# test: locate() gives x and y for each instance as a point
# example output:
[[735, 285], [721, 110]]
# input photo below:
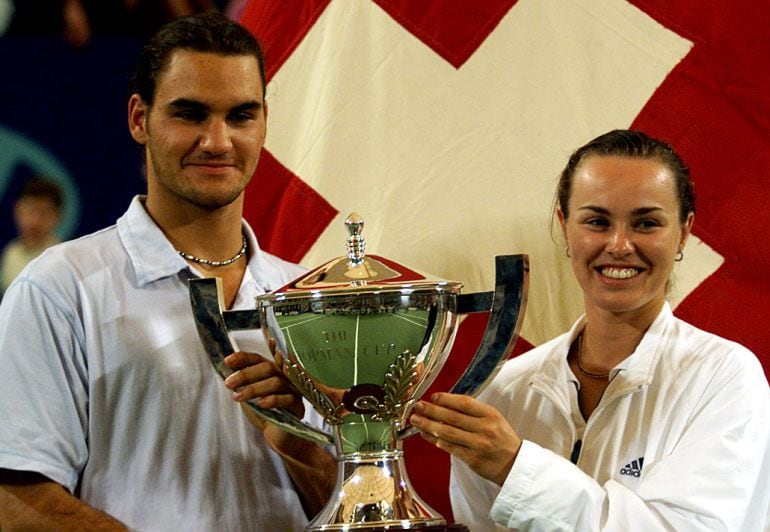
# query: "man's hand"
[[261, 379], [312, 468], [472, 431]]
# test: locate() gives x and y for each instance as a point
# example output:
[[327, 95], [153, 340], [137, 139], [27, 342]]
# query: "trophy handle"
[[507, 302], [213, 324]]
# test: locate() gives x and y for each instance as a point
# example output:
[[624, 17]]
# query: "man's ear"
[[264, 113], [138, 111]]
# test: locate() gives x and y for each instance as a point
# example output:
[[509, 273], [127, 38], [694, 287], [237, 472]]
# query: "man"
[[112, 415], [36, 213]]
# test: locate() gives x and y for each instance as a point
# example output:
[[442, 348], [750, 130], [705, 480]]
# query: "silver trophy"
[[362, 338]]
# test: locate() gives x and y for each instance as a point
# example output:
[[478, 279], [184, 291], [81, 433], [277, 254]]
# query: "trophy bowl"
[[361, 338]]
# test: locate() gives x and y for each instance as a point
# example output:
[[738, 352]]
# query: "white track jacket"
[[680, 441]]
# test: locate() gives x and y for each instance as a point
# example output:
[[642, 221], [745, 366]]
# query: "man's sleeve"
[[43, 397]]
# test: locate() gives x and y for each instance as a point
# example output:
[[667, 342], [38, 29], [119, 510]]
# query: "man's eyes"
[[192, 115], [241, 116]]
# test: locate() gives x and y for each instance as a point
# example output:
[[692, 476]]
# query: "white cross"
[[451, 167]]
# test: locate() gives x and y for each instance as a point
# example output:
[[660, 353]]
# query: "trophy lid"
[[358, 273]]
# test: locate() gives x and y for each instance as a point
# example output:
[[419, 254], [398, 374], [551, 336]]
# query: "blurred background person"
[[6, 12], [36, 213], [78, 21]]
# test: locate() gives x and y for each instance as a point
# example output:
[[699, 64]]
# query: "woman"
[[633, 419]]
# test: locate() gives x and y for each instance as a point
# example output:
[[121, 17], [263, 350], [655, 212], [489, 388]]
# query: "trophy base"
[[425, 528], [373, 493]]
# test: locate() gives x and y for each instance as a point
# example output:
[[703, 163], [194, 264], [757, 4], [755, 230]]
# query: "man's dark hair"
[[209, 32], [630, 143], [42, 188]]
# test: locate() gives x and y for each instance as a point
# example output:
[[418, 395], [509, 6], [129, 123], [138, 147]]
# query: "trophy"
[[361, 338]]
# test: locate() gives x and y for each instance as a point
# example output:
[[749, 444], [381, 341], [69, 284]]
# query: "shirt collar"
[[154, 257], [264, 272], [151, 254]]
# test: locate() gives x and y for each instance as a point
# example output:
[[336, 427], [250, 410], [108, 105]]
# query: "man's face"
[[204, 131]]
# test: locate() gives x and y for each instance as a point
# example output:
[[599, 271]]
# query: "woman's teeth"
[[619, 273]]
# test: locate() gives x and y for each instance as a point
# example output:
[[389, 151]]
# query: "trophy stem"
[[373, 492]]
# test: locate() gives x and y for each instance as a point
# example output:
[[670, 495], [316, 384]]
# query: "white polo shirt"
[[107, 390]]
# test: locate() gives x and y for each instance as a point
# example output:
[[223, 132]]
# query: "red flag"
[[445, 125]]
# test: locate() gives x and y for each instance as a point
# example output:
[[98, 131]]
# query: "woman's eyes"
[[642, 224], [597, 222], [648, 223]]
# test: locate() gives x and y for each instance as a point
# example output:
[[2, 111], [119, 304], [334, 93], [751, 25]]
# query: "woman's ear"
[[686, 230], [562, 223]]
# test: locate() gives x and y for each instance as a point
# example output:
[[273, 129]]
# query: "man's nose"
[[215, 137]]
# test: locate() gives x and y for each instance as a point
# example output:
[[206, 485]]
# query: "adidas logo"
[[634, 468]]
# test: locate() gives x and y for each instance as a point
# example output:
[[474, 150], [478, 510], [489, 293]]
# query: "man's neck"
[[211, 234]]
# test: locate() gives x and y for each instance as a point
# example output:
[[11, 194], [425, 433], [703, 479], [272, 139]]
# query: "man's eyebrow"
[[247, 106], [185, 103]]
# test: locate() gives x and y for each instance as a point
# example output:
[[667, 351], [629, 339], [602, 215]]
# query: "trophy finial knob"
[[356, 241]]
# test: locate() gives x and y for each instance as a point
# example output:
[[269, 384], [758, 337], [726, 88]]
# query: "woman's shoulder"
[[692, 347], [693, 339]]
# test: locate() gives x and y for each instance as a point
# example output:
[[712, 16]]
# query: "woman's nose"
[[620, 242]]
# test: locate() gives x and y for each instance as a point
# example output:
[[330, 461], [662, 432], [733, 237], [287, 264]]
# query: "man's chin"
[[213, 202]]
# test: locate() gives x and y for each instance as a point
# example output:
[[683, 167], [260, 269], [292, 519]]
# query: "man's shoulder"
[[279, 270], [78, 257]]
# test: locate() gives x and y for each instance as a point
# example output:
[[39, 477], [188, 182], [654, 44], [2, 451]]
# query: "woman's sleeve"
[[716, 478]]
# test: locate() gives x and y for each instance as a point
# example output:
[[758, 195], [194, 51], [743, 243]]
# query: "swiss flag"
[[445, 124]]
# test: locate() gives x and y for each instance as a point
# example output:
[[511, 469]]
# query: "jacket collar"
[[634, 372]]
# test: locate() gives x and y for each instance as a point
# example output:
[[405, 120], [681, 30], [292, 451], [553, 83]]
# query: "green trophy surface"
[[360, 360], [343, 350]]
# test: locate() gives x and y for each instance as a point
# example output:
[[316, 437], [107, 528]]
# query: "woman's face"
[[623, 232]]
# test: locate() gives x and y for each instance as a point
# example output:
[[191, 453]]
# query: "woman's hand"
[[472, 431]]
